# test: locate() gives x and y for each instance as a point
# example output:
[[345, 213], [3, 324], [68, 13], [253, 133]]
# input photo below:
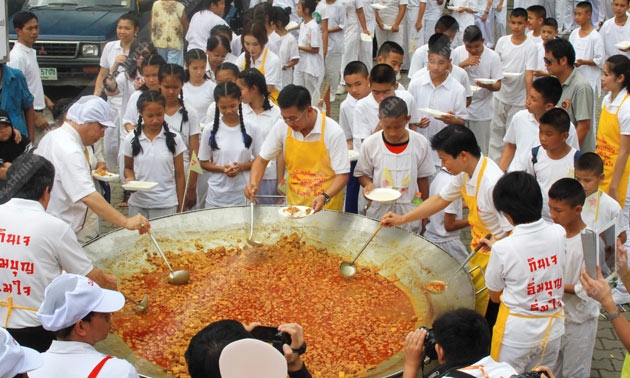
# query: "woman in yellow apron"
[[258, 56], [613, 132]]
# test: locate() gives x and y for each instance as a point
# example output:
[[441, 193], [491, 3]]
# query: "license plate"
[[48, 73]]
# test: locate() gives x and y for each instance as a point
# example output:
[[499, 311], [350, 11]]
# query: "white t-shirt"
[[458, 73], [612, 105], [311, 36], [464, 19], [523, 133], [419, 60], [346, 115], [590, 47], [528, 267], [110, 53], [131, 113], [263, 122], [273, 42], [488, 214], [73, 176], [199, 29], [579, 307], [24, 59], [435, 230], [184, 129], [489, 67], [335, 14], [612, 34], [199, 98], [288, 51], [389, 14], [154, 164], [609, 209], [36, 248], [487, 367], [224, 190], [334, 140], [272, 68], [74, 359], [515, 59]]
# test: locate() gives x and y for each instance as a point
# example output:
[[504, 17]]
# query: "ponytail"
[[215, 127], [170, 138], [136, 148], [247, 139]]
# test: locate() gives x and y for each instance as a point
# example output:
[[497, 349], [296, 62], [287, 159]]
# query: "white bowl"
[[302, 211]]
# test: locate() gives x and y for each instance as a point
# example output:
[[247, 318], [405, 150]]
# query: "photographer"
[[202, 355]]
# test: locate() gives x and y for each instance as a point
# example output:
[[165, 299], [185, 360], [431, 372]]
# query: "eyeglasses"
[[294, 119], [547, 61]]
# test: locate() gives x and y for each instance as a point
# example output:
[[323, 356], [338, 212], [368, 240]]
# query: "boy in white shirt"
[[616, 29], [536, 15], [589, 47], [436, 89], [518, 55], [525, 275], [464, 12], [548, 32], [333, 25], [480, 63], [445, 25], [392, 54], [492, 21], [390, 21], [566, 199], [554, 158]]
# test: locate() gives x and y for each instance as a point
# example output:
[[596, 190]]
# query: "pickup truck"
[[73, 34]]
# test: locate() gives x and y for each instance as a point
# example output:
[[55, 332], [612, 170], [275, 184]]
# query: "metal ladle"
[[250, 239], [141, 305], [347, 268], [180, 277]]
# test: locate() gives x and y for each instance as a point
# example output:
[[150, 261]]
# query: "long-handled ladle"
[[347, 268], [180, 277]]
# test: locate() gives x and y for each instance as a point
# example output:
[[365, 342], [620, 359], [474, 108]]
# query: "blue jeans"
[[172, 55], [352, 191]]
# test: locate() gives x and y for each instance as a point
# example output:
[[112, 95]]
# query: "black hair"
[[28, 176], [538, 10], [620, 65], [389, 47], [204, 349], [258, 31], [177, 71], [446, 23], [281, 16], [205, 5], [393, 107], [223, 30], [585, 5], [440, 44], [228, 89], [519, 12], [472, 33], [21, 18], [550, 89], [147, 97], [464, 335], [295, 95], [129, 16], [218, 39], [383, 74], [61, 107], [518, 195], [356, 67], [251, 77], [550, 21], [557, 118], [64, 333], [265, 8], [195, 54], [309, 4], [455, 139], [153, 60], [227, 66], [591, 162], [569, 191], [561, 48], [254, 15]]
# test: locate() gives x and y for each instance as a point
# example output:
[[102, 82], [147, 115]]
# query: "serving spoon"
[[141, 305], [250, 239], [180, 277], [347, 268]]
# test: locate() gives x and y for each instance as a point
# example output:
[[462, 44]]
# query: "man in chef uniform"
[[315, 153], [74, 198]]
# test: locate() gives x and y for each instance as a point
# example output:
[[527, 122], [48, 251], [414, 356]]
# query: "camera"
[[529, 374], [429, 344], [272, 335]]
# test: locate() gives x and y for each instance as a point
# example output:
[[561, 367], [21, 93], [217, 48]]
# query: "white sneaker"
[[332, 97], [341, 89]]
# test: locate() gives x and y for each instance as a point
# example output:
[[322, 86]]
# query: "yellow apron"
[[273, 96], [499, 330], [478, 230], [608, 141], [625, 370], [310, 172], [10, 306]]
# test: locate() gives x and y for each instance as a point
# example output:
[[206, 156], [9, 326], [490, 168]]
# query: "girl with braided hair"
[[257, 55], [154, 153], [262, 115], [184, 121], [228, 147], [198, 89]]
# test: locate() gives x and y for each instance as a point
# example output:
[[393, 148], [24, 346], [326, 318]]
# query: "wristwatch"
[[611, 317], [326, 198]]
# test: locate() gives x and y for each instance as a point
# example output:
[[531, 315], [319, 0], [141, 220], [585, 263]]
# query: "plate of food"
[[432, 112], [454, 8], [511, 74], [353, 155], [104, 175], [383, 195], [623, 45], [292, 25], [378, 6], [295, 212], [139, 186], [487, 81]]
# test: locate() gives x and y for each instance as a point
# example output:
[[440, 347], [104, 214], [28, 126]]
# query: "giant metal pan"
[[398, 253]]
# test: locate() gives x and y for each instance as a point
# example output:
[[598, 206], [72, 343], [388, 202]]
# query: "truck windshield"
[[78, 3]]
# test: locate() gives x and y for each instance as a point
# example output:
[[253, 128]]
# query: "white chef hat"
[[91, 109], [248, 358], [16, 359], [70, 297]]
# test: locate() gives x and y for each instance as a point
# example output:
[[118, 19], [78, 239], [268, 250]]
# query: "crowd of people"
[[502, 125]]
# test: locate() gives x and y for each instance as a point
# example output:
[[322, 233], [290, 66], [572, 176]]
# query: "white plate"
[[353, 155], [623, 45], [292, 25], [139, 186], [378, 6], [453, 8], [511, 74], [486, 81], [107, 177], [432, 112], [383, 195], [302, 211], [387, 27], [366, 37]]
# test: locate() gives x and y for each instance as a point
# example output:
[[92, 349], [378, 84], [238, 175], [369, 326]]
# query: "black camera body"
[[272, 335], [429, 344], [529, 374]]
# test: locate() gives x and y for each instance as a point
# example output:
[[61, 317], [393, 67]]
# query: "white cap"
[[248, 358], [70, 297], [91, 109], [16, 359]]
